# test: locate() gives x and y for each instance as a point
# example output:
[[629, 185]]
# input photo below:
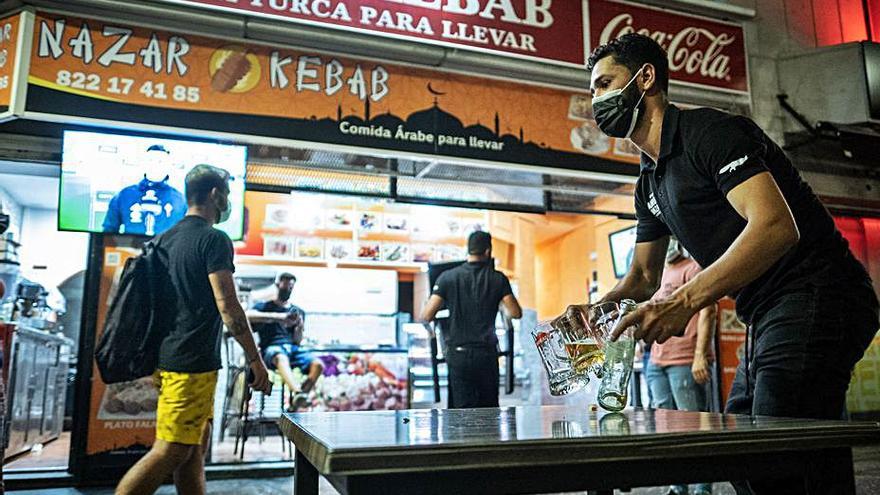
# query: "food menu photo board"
[[339, 229], [122, 416]]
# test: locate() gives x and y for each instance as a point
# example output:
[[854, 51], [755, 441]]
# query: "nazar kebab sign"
[[543, 30], [86, 68]]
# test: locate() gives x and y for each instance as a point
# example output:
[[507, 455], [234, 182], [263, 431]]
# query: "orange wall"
[[546, 270], [563, 270], [564, 264]]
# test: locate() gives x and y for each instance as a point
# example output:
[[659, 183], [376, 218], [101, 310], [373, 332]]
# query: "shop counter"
[[36, 387], [360, 378], [551, 449]]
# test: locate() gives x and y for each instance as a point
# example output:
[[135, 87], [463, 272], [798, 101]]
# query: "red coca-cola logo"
[[541, 337], [701, 51]]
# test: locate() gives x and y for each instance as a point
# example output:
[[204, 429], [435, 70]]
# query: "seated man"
[[280, 326]]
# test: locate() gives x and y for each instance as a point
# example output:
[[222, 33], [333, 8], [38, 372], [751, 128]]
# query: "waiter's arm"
[[430, 311], [640, 282], [431, 308], [770, 232], [511, 307], [643, 278]]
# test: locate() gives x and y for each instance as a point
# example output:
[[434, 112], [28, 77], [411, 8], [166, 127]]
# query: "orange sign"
[[732, 335], [9, 28], [122, 416], [87, 68]]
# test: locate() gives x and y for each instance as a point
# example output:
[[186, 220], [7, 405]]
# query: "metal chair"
[[237, 411]]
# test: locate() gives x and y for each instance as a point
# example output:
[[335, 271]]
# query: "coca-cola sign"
[[541, 30], [701, 51]]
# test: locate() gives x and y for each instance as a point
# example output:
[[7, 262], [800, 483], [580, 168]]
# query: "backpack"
[[137, 321]]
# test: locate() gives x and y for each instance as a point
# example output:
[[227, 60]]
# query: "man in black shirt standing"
[[199, 262], [735, 202], [472, 292], [280, 326]]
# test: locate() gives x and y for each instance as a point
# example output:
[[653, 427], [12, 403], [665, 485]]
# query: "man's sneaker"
[[298, 401]]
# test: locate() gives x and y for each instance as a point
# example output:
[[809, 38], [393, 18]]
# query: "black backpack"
[[138, 320]]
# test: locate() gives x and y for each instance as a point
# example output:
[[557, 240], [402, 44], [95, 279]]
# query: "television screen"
[[135, 185], [623, 245]]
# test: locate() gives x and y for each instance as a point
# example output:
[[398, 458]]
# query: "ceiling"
[[31, 191]]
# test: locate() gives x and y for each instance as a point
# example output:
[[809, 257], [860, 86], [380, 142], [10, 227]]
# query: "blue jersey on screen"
[[145, 208]]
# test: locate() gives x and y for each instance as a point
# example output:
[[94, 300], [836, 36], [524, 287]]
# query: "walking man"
[[473, 292], [199, 262]]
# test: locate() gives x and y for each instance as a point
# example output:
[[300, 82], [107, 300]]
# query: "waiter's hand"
[[656, 321], [700, 369], [259, 376], [577, 314]]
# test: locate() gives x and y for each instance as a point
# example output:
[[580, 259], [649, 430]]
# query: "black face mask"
[[4, 222], [617, 112], [284, 294]]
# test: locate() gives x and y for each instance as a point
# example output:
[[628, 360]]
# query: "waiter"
[[472, 292], [736, 203]]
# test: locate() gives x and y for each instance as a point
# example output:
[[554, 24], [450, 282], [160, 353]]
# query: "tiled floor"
[[867, 468], [54, 455]]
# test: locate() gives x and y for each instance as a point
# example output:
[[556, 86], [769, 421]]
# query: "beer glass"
[[563, 378], [602, 318], [618, 365], [581, 343], [614, 423]]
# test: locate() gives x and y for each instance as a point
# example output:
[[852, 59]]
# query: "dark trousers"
[[804, 347], [473, 377]]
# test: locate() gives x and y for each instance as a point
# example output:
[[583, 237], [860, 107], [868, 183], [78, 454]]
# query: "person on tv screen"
[[152, 205]]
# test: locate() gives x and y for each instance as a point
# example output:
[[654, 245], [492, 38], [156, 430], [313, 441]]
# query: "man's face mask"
[[224, 209], [284, 294], [617, 112], [4, 222]]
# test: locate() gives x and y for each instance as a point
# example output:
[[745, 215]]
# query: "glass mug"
[[581, 345], [563, 377], [618, 366]]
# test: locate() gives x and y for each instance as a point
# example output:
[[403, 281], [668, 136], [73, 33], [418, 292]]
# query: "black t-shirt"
[[192, 249], [472, 293], [704, 154], [274, 333]]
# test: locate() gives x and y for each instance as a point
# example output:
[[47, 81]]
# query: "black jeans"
[[805, 345], [473, 377]]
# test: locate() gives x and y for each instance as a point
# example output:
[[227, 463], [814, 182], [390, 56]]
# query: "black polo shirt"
[[472, 293], [704, 154]]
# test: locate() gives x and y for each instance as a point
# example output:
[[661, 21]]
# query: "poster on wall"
[[12, 33], [122, 416], [732, 335], [88, 69], [540, 30]]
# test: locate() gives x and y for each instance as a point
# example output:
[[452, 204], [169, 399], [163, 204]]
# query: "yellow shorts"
[[186, 404]]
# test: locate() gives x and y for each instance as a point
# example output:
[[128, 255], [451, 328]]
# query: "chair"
[[237, 409]]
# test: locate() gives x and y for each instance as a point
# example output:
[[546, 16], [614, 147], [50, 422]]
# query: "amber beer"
[[584, 354]]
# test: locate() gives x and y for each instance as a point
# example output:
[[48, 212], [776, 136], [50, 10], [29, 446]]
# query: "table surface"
[[398, 441]]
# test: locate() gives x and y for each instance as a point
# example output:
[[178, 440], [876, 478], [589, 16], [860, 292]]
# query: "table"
[[545, 449]]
